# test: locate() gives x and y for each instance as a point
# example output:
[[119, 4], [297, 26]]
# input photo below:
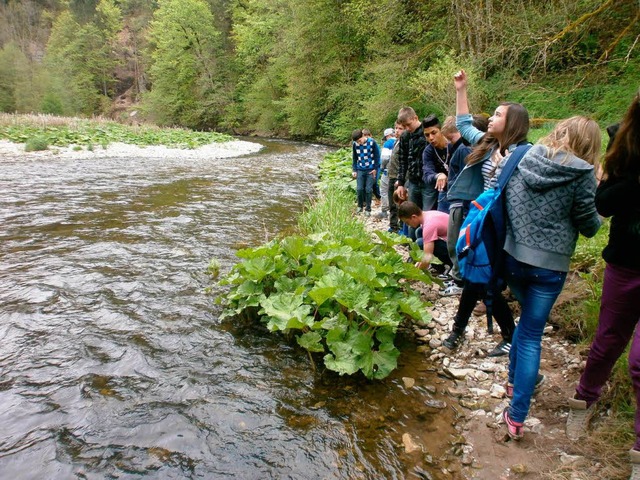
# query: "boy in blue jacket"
[[366, 162]]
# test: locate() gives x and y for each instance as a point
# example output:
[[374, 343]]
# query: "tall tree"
[[187, 71]]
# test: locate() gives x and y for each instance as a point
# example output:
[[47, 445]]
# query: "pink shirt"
[[434, 226]]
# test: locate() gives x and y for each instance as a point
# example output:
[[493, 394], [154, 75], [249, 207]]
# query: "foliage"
[[588, 253], [187, 71], [92, 133], [36, 144], [342, 299]]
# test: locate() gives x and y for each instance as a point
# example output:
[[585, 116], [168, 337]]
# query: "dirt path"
[[477, 392]]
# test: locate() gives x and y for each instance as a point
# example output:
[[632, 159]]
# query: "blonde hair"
[[449, 125], [406, 115], [577, 135]]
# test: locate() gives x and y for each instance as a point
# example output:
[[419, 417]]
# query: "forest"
[[314, 69]]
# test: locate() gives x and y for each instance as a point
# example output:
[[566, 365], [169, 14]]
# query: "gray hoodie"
[[549, 201]]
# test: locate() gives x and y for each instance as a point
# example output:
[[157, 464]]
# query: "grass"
[[64, 131]]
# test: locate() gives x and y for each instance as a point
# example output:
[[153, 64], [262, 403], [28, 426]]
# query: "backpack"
[[483, 233]]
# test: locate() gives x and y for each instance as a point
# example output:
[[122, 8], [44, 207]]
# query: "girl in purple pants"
[[617, 196]]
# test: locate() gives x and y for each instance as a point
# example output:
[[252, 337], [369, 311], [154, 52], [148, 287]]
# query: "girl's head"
[[623, 158], [508, 125], [577, 135]]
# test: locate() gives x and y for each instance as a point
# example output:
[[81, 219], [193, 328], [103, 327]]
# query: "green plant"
[[343, 299], [36, 144]]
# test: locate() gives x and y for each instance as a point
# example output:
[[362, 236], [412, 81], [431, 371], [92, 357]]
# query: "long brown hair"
[[577, 135], [515, 131], [623, 158]]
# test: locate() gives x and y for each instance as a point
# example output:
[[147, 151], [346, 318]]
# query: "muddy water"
[[113, 363]]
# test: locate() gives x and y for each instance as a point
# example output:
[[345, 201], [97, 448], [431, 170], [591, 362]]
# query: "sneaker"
[[501, 349], [367, 213], [634, 459], [578, 419], [452, 341], [515, 430], [451, 290], [539, 381], [359, 211]]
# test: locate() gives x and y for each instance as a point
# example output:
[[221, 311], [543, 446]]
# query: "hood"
[[541, 173]]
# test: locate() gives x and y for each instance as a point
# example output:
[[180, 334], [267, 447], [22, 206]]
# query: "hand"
[[402, 193], [441, 182], [373, 173], [497, 157], [422, 265], [460, 80], [354, 174]]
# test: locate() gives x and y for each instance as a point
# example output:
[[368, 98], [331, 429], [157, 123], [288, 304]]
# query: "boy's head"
[[366, 132], [388, 133], [449, 129], [408, 119], [410, 213], [432, 133], [358, 136], [399, 129]]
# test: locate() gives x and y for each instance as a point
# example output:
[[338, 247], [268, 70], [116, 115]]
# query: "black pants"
[[393, 208], [471, 293]]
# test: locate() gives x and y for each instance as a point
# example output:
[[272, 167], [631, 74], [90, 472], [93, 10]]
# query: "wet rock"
[[422, 332], [498, 391], [408, 382], [435, 405], [410, 445], [466, 459], [458, 373], [435, 343]]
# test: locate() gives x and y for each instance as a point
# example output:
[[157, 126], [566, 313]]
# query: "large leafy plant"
[[342, 299]]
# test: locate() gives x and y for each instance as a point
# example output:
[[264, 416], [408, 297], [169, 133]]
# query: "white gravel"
[[233, 148]]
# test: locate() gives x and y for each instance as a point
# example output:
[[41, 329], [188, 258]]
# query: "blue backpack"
[[483, 233]]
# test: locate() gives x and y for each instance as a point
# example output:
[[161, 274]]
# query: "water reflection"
[[113, 363]]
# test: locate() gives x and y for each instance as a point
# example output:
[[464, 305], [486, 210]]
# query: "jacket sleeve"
[[354, 158], [618, 196], [376, 156], [403, 157], [429, 172], [583, 212], [464, 124]]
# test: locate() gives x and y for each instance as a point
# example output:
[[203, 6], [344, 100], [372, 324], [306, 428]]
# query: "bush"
[[36, 144]]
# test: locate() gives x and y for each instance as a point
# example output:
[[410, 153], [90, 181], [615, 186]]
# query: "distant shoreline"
[[212, 151]]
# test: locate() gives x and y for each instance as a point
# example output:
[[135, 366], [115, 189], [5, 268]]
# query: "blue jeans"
[[536, 290], [364, 188]]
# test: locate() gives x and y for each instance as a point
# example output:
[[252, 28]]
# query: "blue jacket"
[[366, 157]]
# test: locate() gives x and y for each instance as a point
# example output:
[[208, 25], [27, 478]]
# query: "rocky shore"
[[476, 387], [212, 151]]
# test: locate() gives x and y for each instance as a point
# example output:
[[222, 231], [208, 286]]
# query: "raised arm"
[[460, 82]]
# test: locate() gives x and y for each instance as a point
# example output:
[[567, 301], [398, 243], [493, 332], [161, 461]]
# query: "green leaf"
[[286, 311], [311, 341], [294, 286], [342, 359], [379, 364], [296, 247], [415, 308], [321, 294]]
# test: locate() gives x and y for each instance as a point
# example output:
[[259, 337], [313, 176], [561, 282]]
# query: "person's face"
[[362, 140], [434, 137], [412, 124], [498, 121], [413, 221], [399, 130]]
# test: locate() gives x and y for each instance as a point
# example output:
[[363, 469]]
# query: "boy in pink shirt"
[[434, 232]]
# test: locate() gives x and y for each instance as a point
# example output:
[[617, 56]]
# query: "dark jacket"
[[411, 146], [620, 198]]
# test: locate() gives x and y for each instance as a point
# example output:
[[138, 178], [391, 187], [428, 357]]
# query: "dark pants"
[[619, 315], [471, 293], [393, 208], [364, 189]]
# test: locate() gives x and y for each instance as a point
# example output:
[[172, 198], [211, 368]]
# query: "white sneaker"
[[451, 290], [578, 419]]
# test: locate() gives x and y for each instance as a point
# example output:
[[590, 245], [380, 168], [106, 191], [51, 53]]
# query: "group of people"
[[557, 191]]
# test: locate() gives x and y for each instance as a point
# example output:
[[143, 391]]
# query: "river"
[[113, 363]]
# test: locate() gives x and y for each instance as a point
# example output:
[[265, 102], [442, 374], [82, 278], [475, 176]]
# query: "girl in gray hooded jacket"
[[550, 200]]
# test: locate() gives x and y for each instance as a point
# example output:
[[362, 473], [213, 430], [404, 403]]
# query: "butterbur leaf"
[[311, 341], [359, 341], [321, 294], [293, 286], [296, 247], [267, 250], [282, 308], [413, 307], [391, 239], [353, 296], [258, 268], [342, 359]]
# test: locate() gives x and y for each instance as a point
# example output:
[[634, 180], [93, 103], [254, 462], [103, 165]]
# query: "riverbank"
[[477, 393], [233, 148]]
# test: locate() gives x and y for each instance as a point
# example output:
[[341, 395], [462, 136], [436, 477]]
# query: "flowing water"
[[113, 363]]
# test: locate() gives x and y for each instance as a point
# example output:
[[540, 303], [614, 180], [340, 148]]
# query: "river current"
[[113, 363]]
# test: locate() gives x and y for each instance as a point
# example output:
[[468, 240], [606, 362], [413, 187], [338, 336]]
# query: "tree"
[[187, 71]]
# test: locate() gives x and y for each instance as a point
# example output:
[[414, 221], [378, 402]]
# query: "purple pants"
[[619, 314]]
